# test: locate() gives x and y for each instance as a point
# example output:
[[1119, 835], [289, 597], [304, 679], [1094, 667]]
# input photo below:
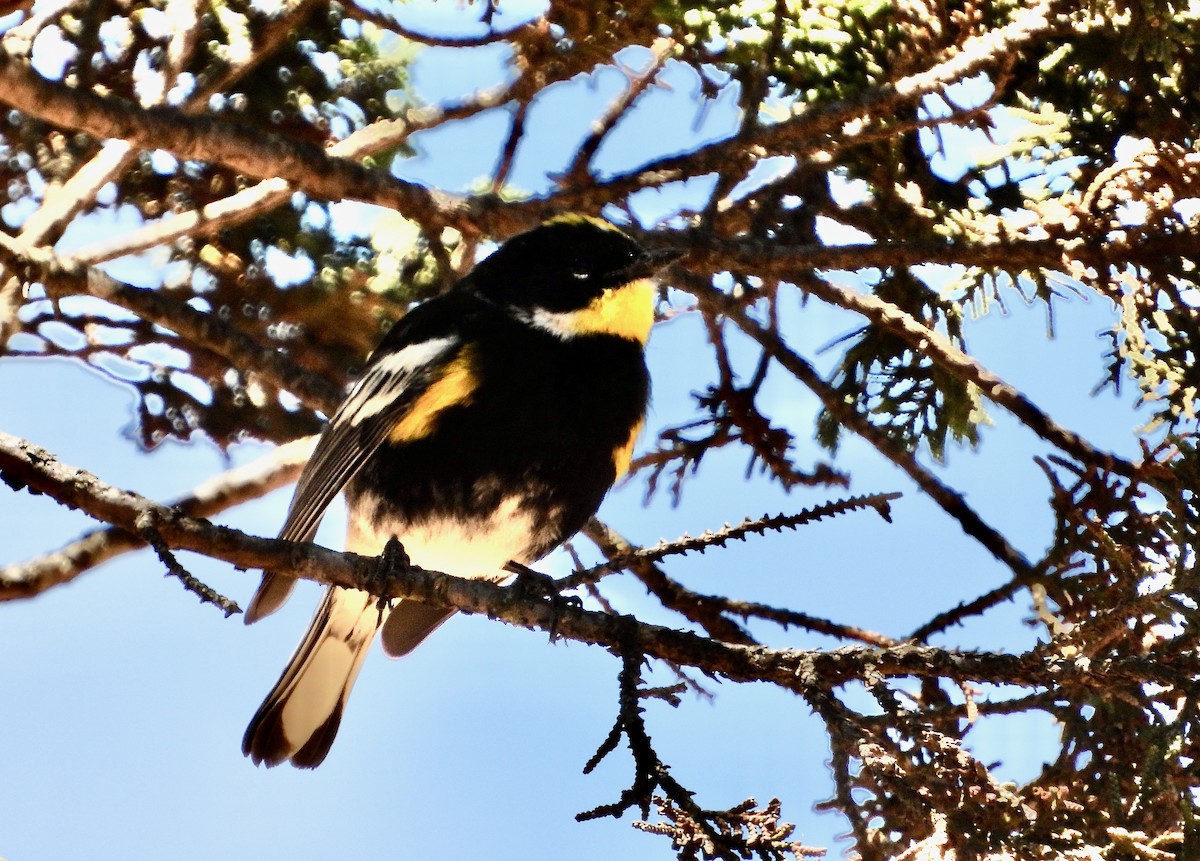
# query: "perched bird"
[[486, 428]]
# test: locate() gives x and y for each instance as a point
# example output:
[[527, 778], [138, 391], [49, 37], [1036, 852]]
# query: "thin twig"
[[68, 277], [637, 84], [937, 347], [807, 621], [650, 772], [673, 595], [206, 594], [538, 26], [720, 537], [508, 152], [709, 611], [950, 501]]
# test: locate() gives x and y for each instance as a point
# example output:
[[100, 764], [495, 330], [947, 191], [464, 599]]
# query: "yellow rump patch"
[[623, 455], [626, 311], [454, 387]]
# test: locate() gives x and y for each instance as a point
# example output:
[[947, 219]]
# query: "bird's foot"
[[393, 558], [534, 585]]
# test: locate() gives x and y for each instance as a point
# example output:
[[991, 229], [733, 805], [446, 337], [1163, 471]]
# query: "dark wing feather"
[[406, 362]]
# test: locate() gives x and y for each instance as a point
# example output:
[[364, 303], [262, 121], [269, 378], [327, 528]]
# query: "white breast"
[[466, 548]]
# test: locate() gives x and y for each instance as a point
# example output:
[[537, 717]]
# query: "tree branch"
[[673, 595], [266, 156], [537, 27], [207, 595], [803, 671], [950, 501], [829, 126], [709, 611], [880, 502], [264, 196], [207, 138], [938, 348], [578, 172], [219, 493], [61, 203], [203, 329]]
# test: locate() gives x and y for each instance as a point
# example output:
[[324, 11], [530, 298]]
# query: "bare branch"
[[673, 595], [207, 138], [803, 671], [202, 329], [63, 202], [937, 347], [950, 501], [217, 494], [710, 611], [720, 537], [206, 594], [508, 152], [639, 83], [266, 195], [538, 27]]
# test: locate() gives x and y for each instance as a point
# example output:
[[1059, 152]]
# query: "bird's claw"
[[534, 585], [393, 558]]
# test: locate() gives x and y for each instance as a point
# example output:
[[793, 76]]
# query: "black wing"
[[409, 359]]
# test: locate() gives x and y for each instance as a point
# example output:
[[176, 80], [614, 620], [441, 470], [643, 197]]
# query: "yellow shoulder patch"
[[455, 387], [623, 455]]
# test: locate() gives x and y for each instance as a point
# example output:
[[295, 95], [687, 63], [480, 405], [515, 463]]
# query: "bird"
[[483, 432]]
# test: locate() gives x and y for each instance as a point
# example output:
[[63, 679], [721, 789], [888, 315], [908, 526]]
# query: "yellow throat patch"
[[626, 311]]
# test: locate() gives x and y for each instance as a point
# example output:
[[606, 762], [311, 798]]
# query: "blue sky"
[[126, 701]]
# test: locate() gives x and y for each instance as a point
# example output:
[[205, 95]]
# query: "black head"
[[563, 264]]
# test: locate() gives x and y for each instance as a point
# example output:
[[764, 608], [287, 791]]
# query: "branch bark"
[[270, 193], [807, 672], [950, 501], [209, 138], [202, 329], [943, 352], [278, 468]]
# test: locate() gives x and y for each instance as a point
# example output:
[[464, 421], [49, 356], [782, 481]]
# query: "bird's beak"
[[650, 262]]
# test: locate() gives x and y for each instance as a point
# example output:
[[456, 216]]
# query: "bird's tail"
[[299, 718]]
